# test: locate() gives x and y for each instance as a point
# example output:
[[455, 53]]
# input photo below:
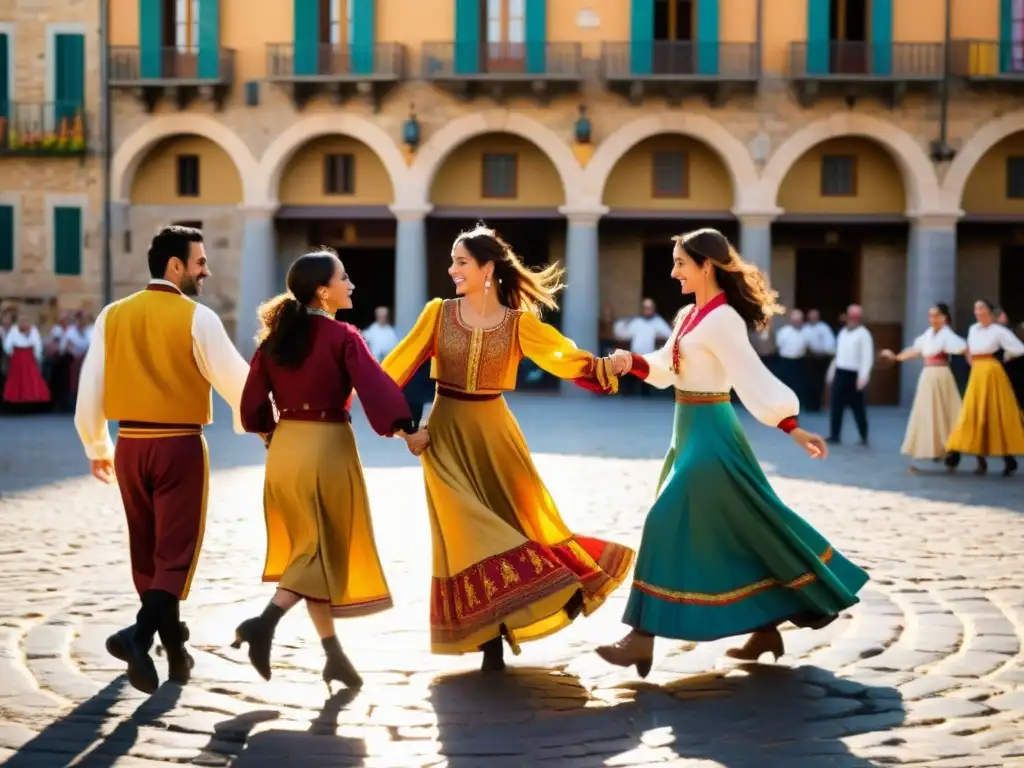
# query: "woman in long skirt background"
[[721, 554]]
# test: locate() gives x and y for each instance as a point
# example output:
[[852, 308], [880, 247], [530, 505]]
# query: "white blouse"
[[716, 356], [987, 340], [945, 341], [15, 339]]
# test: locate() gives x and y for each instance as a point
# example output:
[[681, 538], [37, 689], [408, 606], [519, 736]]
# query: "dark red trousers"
[[163, 473]]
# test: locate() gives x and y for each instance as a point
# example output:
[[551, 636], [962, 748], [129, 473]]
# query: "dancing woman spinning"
[[721, 555]]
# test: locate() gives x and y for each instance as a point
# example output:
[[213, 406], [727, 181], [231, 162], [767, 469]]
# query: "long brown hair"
[[519, 287], [284, 320], [746, 287]]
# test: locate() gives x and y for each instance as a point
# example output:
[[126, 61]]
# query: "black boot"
[[173, 636], [982, 467], [494, 656], [1009, 465], [574, 607], [952, 460], [258, 632], [132, 644], [338, 666]]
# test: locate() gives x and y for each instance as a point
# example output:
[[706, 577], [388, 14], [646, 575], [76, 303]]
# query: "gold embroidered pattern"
[[536, 561], [453, 343], [508, 573], [489, 587], [458, 605], [474, 359], [471, 599], [492, 369]]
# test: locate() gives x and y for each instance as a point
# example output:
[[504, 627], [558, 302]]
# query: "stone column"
[[931, 278], [256, 281], [756, 238], [410, 265], [581, 302]]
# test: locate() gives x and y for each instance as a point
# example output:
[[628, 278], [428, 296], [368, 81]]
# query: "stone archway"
[[973, 150]]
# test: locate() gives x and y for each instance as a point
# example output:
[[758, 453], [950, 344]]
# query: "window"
[[506, 21], [339, 174], [669, 174], [67, 241], [340, 15], [1015, 177], [186, 25], [188, 175], [839, 176], [499, 175], [69, 78], [6, 238], [5, 80], [1017, 37]]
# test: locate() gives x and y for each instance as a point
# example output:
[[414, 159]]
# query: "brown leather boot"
[[760, 642], [634, 649]]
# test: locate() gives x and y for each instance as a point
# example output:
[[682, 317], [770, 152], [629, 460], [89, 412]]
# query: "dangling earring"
[[487, 287]]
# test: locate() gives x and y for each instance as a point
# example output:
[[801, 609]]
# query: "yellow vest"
[[150, 373]]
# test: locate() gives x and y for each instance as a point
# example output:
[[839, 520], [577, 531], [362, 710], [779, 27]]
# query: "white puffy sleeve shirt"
[[945, 342], [989, 339]]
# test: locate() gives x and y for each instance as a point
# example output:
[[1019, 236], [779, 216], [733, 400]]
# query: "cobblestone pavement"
[[927, 670]]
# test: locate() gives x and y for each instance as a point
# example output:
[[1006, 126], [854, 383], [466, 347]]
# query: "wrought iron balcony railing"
[[287, 62], [134, 66], [680, 59], [988, 60], [497, 61], [46, 129], [855, 60]]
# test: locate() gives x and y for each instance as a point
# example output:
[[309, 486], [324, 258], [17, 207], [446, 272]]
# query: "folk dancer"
[[153, 358], [505, 563], [721, 554], [320, 543]]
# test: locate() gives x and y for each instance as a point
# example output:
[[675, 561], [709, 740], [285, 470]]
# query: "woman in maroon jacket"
[[320, 544]]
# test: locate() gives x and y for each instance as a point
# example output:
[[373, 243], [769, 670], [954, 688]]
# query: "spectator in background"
[[6, 323], [25, 386], [74, 344], [850, 374], [821, 346], [1015, 365], [380, 335], [792, 364], [645, 334]]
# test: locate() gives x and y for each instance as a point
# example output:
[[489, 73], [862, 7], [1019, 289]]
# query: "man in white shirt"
[[380, 336], [792, 348], [821, 346], [645, 334], [850, 374]]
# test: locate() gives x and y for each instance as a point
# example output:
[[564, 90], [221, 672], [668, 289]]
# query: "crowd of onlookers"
[[39, 367]]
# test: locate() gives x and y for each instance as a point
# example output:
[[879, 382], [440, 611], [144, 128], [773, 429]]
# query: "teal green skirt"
[[721, 555]]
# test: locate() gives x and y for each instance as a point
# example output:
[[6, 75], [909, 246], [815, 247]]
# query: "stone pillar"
[[756, 238], [581, 302], [410, 265], [256, 281], [931, 278]]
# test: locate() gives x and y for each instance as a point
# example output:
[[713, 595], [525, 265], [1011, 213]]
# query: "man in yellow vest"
[[153, 359]]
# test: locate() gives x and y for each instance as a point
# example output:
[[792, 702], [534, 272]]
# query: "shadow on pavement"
[[78, 737]]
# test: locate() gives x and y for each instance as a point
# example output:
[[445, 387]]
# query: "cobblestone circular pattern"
[[927, 670]]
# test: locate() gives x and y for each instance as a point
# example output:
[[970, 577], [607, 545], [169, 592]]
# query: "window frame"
[[13, 204], [180, 175], [54, 207], [1015, 183], [485, 191], [684, 175], [348, 174], [823, 190]]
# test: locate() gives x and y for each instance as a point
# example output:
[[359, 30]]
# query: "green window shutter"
[[467, 37], [67, 241], [707, 37], [69, 71], [306, 37], [536, 36], [881, 37], [209, 39], [151, 38], [6, 238], [5, 109], [364, 36], [1006, 36], [641, 36], [819, 19]]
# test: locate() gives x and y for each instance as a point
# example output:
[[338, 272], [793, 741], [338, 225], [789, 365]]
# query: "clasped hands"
[[418, 441], [622, 361]]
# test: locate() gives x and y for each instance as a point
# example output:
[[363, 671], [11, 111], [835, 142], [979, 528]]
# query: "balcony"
[[342, 71], [677, 68], [43, 130], [987, 64], [501, 69], [854, 68], [182, 73]]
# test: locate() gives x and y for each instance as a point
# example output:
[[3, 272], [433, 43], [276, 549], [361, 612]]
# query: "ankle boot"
[[574, 607], [635, 649], [494, 655], [141, 671], [982, 467], [173, 635], [1009, 465], [760, 642], [258, 632], [338, 666]]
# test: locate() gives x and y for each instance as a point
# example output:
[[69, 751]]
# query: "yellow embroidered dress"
[[503, 557]]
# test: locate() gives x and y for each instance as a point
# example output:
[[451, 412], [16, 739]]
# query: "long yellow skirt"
[[990, 423], [320, 542], [936, 408], [501, 553]]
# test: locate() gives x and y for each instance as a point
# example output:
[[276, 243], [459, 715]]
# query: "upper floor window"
[[839, 176], [338, 15], [1017, 49], [188, 175], [499, 177], [669, 174], [339, 174], [506, 21], [185, 23], [1015, 177]]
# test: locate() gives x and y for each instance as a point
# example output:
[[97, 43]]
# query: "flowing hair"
[[519, 287], [284, 320], [746, 287]]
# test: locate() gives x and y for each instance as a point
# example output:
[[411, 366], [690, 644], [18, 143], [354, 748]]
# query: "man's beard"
[[189, 286]]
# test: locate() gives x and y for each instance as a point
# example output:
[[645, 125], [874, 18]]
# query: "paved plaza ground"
[[927, 670]]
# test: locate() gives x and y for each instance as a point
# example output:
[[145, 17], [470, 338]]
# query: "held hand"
[[887, 354], [810, 442], [103, 470], [622, 362], [418, 442], [861, 384]]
